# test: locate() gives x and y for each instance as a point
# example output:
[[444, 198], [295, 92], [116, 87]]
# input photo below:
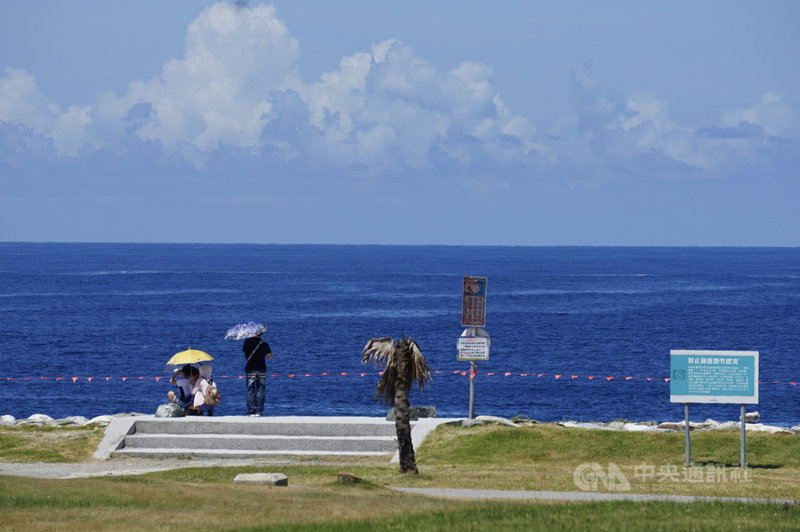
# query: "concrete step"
[[255, 442], [243, 437], [265, 427], [234, 454]]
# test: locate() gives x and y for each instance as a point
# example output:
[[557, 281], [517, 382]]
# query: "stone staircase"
[[243, 437]]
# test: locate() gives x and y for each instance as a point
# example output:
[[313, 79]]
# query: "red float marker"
[[556, 376]]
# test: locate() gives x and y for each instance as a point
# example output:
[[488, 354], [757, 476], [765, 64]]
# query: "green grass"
[[586, 516], [31, 443], [542, 457], [545, 457]]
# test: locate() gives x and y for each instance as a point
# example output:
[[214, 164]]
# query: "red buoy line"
[[562, 377]]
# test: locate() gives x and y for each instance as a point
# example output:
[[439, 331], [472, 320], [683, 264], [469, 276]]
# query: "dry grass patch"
[[156, 502], [32, 443]]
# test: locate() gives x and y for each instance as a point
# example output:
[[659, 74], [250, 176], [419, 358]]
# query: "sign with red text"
[[473, 348], [473, 302]]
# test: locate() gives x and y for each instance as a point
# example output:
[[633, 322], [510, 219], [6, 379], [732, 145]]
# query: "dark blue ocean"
[[86, 329]]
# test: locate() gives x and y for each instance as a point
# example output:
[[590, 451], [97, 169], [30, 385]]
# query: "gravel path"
[[118, 467]]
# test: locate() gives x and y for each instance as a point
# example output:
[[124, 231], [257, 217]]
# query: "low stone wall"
[[642, 426], [71, 421]]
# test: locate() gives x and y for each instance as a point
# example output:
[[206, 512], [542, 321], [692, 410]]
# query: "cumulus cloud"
[[218, 93], [236, 88], [635, 136], [771, 115], [235, 96]]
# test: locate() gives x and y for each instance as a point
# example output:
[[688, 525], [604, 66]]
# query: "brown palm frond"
[[381, 352], [378, 350], [384, 351], [421, 371]]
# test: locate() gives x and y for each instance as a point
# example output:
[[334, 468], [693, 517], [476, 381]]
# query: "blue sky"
[[416, 122]]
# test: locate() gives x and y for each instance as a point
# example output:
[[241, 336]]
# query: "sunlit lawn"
[[543, 457]]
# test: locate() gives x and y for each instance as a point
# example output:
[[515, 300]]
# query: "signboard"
[[473, 348], [473, 302], [713, 377]]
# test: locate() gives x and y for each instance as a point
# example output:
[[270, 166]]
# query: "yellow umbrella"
[[190, 356]]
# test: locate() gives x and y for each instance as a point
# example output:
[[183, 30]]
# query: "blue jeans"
[[256, 386]]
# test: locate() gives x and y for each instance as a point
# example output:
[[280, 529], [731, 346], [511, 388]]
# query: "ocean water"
[[578, 333]]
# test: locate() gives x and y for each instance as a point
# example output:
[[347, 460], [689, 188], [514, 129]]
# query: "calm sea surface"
[[577, 332]]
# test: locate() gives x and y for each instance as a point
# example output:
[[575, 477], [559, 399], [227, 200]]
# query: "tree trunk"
[[402, 423]]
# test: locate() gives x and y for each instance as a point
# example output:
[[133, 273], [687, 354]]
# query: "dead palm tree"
[[404, 364]]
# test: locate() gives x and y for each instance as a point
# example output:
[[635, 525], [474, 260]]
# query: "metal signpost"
[[474, 342], [714, 377]]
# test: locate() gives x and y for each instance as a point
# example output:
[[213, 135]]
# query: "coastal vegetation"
[[532, 457]]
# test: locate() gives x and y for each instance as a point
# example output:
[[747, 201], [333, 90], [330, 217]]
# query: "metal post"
[[742, 462], [472, 370], [688, 442]]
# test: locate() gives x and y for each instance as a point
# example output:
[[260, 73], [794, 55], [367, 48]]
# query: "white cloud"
[[392, 109], [218, 93], [21, 102], [235, 95], [774, 116]]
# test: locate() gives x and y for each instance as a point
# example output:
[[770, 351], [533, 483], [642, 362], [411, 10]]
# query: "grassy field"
[[543, 457]]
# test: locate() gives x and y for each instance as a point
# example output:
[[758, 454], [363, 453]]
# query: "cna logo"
[[590, 476]]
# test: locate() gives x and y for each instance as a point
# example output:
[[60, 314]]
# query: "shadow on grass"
[[735, 466]]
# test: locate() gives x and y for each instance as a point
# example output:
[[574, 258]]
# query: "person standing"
[[256, 351]]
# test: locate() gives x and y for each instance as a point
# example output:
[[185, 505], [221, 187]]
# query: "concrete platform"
[[246, 437]]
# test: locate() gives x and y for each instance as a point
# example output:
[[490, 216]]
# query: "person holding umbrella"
[[256, 351]]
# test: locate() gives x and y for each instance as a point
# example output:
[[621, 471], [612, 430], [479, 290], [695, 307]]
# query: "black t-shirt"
[[257, 362]]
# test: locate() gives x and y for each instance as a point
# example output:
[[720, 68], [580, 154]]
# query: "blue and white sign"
[[713, 377]]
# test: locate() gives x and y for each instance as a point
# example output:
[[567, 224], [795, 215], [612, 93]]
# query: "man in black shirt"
[[256, 351]]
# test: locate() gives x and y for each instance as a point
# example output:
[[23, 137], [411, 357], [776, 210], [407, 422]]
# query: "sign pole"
[[688, 440], [472, 370], [708, 376], [473, 344], [742, 463]]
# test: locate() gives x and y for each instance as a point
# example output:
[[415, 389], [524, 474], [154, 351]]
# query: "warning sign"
[[473, 348], [473, 302]]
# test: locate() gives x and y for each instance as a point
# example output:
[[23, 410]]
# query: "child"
[[201, 380]]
